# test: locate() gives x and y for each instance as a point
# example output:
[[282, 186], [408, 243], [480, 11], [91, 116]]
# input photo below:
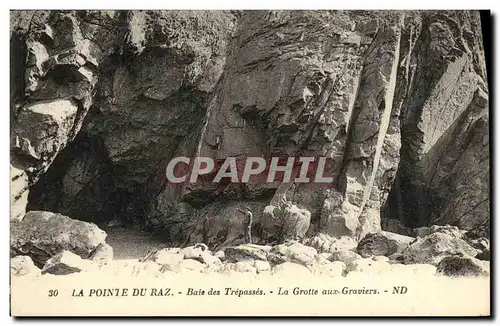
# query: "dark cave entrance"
[[408, 202], [81, 183]]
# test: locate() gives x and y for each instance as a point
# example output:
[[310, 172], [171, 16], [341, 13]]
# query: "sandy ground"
[[131, 243]]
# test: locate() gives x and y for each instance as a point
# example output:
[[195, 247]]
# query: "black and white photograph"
[[250, 162]]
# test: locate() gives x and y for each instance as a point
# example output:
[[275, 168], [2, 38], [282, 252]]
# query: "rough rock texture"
[[52, 80], [101, 101], [19, 189], [292, 252], [65, 263], [42, 129], [285, 222], [246, 252], [41, 235], [443, 177], [345, 256], [446, 229], [483, 246], [382, 244], [471, 237], [433, 248], [23, 265], [374, 244], [456, 266]]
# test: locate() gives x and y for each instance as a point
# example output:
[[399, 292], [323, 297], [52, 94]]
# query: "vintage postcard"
[[249, 163]]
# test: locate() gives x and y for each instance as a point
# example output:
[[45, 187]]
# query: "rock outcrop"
[[23, 265], [42, 235], [432, 248], [374, 244], [443, 177], [396, 101]]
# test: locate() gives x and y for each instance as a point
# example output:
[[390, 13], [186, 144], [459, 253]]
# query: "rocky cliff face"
[[102, 101]]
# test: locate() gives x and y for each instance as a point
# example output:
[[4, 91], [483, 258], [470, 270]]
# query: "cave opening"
[[81, 183]]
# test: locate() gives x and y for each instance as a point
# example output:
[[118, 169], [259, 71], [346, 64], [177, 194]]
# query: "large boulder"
[[382, 244], [57, 55], [457, 266], [345, 256], [432, 248], [41, 235], [23, 265], [193, 252], [472, 237], [246, 252], [220, 254], [374, 244], [293, 252]]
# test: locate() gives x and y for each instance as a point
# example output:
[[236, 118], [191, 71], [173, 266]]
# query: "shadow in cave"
[[82, 184], [407, 203]]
